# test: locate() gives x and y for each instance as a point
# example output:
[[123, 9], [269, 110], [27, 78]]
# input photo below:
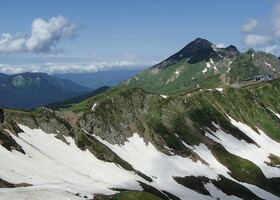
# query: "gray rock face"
[[2, 117]]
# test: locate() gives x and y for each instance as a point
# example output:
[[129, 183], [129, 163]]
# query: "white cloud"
[[271, 49], [61, 68], [252, 26], [10, 44], [221, 45], [44, 36], [256, 40], [264, 36], [275, 15]]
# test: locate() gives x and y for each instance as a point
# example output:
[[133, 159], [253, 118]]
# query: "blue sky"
[[100, 35]]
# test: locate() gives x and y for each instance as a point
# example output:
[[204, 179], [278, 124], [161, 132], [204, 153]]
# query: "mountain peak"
[[232, 48], [195, 46], [197, 50]]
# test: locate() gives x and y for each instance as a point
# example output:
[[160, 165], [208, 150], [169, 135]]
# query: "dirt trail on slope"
[[223, 78], [73, 118]]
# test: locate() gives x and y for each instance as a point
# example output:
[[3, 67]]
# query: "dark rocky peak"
[[196, 51], [232, 49], [278, 58], [195, 46]]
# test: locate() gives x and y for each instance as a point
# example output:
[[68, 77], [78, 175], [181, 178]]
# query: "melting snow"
[[45, 192], [177, 72], [275, 113], [214, 48], [211, 60], [230, 62], [207, 66], [93, 107], [49, 162], [163, 96], [220, 89], [54, 167], [217, 193], [249, 151], [162, 167], [267, 64], [204, 71], [203, 152]]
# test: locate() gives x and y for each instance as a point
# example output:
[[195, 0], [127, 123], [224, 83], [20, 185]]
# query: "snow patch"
[[177, 72], [44, 192], [253, 55], [267, 64], [211, 60], [220, 89], [247, 150], [50, 162], [171, 151], [208, 65], [214, 48], [162, 167], [93, 107], [204, 153], [208, 157], [217, 193], [163, 96], [230, 62], [204, 71], [275, 113]]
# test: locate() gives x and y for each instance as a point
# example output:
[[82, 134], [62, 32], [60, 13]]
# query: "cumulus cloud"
[[271, 49], [44, 36], [221, 45], [10, 44], [264, 36], [251, 26], [256, 40]]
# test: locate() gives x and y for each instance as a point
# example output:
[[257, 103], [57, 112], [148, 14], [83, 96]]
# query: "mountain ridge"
[[201, 59], [121, 125], [29, 90]]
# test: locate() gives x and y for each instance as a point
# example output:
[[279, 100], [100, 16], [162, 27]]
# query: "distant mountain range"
[[72, 101], [29, 90], [201, 62], [96, 80]]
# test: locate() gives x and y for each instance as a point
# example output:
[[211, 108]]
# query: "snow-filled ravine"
[[243, 149], [59, 170]]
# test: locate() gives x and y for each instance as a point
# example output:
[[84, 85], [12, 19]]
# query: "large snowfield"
[[59, 170]]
